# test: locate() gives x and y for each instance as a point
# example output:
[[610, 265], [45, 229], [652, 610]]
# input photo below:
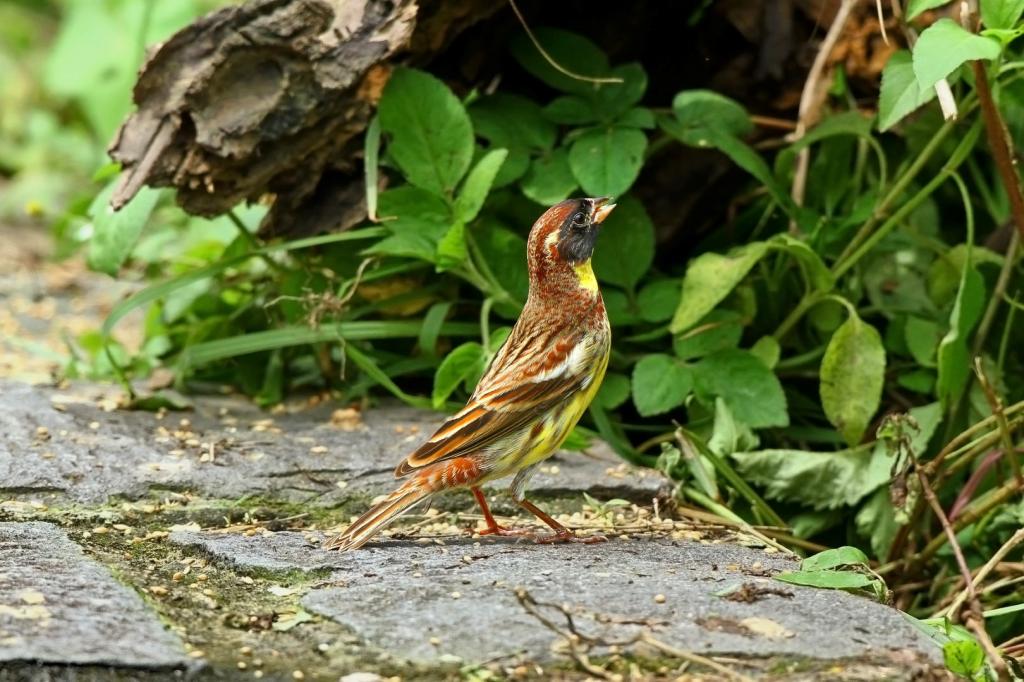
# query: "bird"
[[536, 388]]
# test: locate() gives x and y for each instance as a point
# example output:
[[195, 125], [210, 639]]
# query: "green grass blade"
[[370, 367]]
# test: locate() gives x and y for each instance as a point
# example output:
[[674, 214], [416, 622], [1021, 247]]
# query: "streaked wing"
[[520, 386]]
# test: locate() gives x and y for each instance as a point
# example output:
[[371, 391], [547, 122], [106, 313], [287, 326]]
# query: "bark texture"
[[265, 100]]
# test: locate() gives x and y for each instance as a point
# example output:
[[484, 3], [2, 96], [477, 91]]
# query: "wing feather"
[[511, 395]]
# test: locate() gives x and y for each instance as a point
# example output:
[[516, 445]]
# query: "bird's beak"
[[601, 209]]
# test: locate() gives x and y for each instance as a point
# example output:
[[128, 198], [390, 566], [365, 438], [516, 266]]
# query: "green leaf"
[[614, 99], [607, 161], [709, 279], [833, 558], [417, 221], [637, 117], [718, 330], [462, 362], [697, 111], [876, 521], [571, 110], [747, 386], [625, 248], [901, 93], [505, 254], [944, 46], [965, 657], [922, 338], [728, 435], [431, 135], [953, 355], [613, 392], [512, 121], [831, 579], [572, 51], [818, 274], [766, 349], [478, 184], [660, 383], [549, 179], [115, 232], [451, 250], [658, 299], [852, 376], [917, 7], [1001, 13]]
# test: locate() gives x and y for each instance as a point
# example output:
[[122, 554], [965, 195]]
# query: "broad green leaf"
[[549, 179], [660, 383], [946, 271], [512, 121], [699, 110], [833, 558], [606, 161], [1001, 13], [658, 299], [451, 250], [611, 100], [751, 390], [462, 362], [571, 110], [505, 254], [832, 579], [922, 338], [709, 279], [876, 521], [115, 232], [901, 93], [613, 392], [820, 480], [964, 657], [570, 50], [918, 7], [953, 355], [477, 185], [431, 135], [728, 435], [945, 46], [637, 117], [718, 330], [417, 221], [625, 247], [766, 349], [852, 376]]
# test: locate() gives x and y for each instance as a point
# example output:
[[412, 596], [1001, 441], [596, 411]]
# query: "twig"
[[980, 576], [550, 60], [808, 96], [692, 657], [995, 131], [975, 621], [996, 405]]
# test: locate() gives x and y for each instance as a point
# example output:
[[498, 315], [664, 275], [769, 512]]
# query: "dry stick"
[[975, 621], [979, 578], [995, 131], [996, 405], [807, 98], [551, 60]]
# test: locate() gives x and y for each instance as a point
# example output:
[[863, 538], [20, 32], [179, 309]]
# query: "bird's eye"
[[579, 219]]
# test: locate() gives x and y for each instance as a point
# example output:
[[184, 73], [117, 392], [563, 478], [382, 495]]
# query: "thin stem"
[[998, 142]]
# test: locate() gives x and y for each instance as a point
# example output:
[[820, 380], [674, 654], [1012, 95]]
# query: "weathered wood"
[[265, 100]]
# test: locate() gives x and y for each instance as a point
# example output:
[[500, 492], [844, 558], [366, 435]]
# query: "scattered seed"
[[94, 425], [659, 599], [298, 675], [242, 665], [456, 595], [435, 641]]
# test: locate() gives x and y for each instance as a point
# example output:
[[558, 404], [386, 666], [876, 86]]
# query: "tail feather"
[[379, 516]]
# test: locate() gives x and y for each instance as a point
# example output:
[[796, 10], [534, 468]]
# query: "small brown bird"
[[536, 389]]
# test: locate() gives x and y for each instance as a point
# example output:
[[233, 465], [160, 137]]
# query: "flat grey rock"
[[58, 444], [59, 607], [422, 602]]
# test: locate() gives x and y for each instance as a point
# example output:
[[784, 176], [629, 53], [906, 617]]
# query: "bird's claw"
[[501, 531]]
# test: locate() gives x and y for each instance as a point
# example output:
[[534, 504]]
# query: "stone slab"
[[59, 607], [61, 444], [424, 602]]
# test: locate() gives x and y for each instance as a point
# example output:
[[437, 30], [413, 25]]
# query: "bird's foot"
[[559, 537], [501, 531]]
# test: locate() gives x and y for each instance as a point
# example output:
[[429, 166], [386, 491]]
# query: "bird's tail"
[[380, 516]]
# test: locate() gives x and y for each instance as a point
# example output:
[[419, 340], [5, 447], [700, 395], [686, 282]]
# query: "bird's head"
[[562, 242]]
